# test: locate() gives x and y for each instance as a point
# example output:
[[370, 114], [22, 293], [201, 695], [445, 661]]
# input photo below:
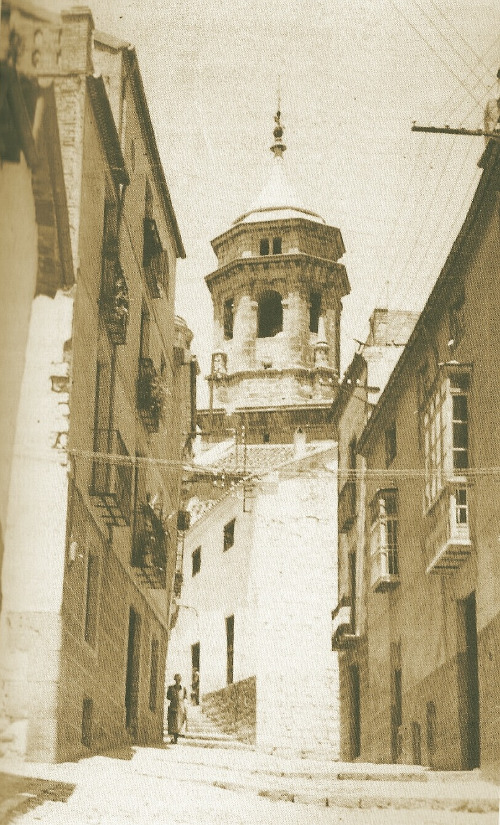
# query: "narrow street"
[[209, 780]]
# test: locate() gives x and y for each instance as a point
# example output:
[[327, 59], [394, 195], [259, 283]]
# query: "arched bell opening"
[[269, 314]]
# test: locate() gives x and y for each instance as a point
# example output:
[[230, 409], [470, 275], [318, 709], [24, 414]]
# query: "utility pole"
[[448, 130]]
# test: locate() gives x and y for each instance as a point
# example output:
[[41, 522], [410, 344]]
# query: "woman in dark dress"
[[176, 716]]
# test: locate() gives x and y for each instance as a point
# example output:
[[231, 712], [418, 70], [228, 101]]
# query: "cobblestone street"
[[195, 785]]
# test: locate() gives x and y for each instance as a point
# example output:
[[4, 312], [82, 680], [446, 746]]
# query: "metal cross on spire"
[[278, 146]]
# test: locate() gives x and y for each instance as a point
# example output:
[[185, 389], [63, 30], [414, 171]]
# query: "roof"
[[277, 200], [256, 459], [130, 57], [107, 128], [461, 248]]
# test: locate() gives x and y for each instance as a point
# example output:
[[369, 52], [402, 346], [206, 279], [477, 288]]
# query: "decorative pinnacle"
[[278, 146]]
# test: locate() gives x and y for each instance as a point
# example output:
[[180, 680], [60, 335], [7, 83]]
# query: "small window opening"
[[314, 311], [266, 438], [276, 246], [270, 315], [87, 713], [228, 318], [229, 534], [264, 246], [196, 561]]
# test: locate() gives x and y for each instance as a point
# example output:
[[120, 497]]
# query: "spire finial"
[[278, 146]]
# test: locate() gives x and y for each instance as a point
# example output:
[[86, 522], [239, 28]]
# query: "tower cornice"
[[279, 265]]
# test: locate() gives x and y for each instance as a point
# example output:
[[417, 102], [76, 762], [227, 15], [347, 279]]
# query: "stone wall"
[[233, 709]]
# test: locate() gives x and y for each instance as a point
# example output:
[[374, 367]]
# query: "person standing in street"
[[176, 716]]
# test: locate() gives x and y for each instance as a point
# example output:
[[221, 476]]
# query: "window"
[[228, 318], [270, 315], [276, 246], [91, 605], [230, 649], [196, 561], [153, 675], [384, 539], [314, 311], [264, 246], [266, 438], [229, 534], [390, 445], [457, 321], [446, 439]]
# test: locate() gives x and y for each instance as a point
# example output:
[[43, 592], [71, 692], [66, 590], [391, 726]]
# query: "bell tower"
[[277, 294]]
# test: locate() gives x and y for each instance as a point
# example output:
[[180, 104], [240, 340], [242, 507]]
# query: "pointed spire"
[[278, 146]]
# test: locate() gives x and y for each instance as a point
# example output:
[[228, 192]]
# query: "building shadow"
[[21, 794]]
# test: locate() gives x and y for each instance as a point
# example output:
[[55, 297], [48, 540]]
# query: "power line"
[[438, 55]]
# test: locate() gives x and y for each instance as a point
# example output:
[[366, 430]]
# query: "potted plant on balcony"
[[151, 393]]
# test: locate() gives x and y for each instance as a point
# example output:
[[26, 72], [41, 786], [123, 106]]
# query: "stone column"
[[244, 335], [292, 329]]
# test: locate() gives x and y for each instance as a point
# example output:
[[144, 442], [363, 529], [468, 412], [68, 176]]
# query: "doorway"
[[132, 674], [468, 683], [355, 711], [195, 673], [396, 715]]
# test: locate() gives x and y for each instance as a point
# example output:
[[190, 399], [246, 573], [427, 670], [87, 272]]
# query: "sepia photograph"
[[250, 412]]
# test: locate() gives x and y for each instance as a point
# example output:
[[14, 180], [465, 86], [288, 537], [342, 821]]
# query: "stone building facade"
[[104, 403], [428, 642], [358, 393], [254, 618]]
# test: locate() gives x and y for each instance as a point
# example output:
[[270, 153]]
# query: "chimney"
[[76, 40]]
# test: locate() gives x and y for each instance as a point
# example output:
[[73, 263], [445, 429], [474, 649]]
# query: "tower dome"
[[277, 200]]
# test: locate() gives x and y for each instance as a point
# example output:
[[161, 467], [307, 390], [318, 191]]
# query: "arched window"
[[276, 246], [270, 314], [264, 246]]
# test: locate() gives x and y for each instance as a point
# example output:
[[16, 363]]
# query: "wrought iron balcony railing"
[[112, 478], [150, 546], [347, 506], [114, 301], [151, 394], [155, 260], [448, 542]]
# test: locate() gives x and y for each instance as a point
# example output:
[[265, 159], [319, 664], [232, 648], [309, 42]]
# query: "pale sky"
[[354, 74]]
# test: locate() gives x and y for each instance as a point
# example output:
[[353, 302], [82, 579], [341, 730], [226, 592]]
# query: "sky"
[[354, 74]]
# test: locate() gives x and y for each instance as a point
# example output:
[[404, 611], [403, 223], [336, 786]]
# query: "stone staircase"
[[203, 732]]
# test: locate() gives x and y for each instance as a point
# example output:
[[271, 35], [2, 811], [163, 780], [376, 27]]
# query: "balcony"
[[155, 260], [342, 630], [151, 395], [149, 554], [111, 484], [384, 570], [384, 540], [448, 543], [114, 302], [347, 506]]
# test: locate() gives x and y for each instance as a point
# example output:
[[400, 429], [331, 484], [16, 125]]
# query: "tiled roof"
[[255, 459]]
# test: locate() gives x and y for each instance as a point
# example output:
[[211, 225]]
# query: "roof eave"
[[130, 57]]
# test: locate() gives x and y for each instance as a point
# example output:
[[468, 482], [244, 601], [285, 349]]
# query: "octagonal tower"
[[276, 295]]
